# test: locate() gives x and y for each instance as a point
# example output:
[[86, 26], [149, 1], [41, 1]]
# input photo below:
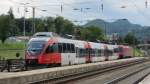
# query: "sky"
[[136, 11]]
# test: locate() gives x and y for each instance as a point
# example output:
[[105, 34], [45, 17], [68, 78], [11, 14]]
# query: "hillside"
[[121, 27]]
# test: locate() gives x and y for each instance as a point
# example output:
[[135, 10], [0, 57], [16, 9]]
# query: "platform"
[[40, 74], [146, 80]]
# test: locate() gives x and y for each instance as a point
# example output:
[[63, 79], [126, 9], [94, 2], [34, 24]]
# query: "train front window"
[[36, 47]]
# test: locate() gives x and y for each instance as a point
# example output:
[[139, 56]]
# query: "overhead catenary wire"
[[140, 11], [61, 5]]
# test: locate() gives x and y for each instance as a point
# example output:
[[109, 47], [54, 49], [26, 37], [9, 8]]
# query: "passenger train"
[[47, 48]]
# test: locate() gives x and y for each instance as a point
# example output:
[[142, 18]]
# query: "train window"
[[110, 52], [82, 52], [72, 48], [92, 52], [106, 52], [120, 49], [116, 50], [55, 47], [49, 49], [60, 48], [52, 48], [99, 52], [69, 48], [88, 51], [102, 53], [64, 47], [77, 51]]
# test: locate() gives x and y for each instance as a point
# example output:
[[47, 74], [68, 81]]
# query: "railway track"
[[124, 79], [75, 77]]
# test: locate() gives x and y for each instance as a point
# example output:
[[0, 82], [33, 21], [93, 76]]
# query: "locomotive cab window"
[[49, 49], [52, 48]]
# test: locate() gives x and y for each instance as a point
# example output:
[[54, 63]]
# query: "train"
[[47, 48]]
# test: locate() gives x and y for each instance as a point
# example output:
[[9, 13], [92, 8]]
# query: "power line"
[[140, 11]]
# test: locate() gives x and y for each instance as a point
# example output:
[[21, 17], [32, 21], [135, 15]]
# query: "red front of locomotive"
[[42, 52], [33, 51]]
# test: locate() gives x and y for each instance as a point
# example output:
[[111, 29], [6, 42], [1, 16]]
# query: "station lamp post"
[[24, 22]]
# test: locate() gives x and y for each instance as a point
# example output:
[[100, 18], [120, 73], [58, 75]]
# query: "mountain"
[[121, 27]]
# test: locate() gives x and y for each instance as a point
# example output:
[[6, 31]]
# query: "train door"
[[88, 55], [106, 52], [68, 54], [51, 55], [88, 52]]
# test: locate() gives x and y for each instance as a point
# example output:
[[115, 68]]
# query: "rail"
[[72, 77], [115, 81]]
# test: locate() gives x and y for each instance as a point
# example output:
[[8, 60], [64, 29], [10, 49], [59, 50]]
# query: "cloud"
[[133, 10]]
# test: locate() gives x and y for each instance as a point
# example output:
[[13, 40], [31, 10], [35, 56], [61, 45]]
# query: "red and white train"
[[49, 49]]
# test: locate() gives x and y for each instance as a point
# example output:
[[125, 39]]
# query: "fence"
[[11, 60], [12, 65]]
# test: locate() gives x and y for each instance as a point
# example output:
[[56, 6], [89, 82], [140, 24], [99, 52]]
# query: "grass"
[[138, 52], [11, 54], [9, 50], [12, 46]]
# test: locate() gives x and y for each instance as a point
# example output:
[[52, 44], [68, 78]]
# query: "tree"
[[130, 39], [4, 27], [13, 27], [92, 33], [40, 26], [68, 27], [59, 24], [50, 24], [120, 40]]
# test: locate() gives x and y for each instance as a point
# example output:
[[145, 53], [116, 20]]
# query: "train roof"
[[97, 45], [39, 39], [46, 34], [78, 43], [111, 47]]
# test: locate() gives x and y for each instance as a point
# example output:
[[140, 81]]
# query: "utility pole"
[[24, 22], [33, 20], [105, 30]]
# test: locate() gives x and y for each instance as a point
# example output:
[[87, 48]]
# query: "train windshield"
[[36, 47]]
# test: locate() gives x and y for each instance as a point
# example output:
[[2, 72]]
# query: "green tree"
[[4, 27], [120, 40], [50, 24], [68, 27], [13, 27], [130, 39], [40, 25], [92, 33], [59, 25]]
